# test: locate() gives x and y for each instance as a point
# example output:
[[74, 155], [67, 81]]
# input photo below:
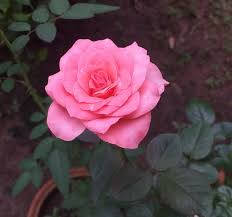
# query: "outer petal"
[[130, 106], [69, 62], [75, 111], [150, 91], [62, 125], [128, 133], [100, 125], [141, 63], [55, 88]]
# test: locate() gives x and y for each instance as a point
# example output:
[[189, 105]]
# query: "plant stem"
[[31, 89]]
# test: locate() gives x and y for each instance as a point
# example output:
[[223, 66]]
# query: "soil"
[[182, 38]]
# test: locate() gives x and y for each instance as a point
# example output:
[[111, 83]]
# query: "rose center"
[[101, 84]]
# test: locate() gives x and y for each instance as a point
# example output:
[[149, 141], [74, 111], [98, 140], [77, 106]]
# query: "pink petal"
[[130, 106], [141, 62], [125, 67], [93, 60], [93, 106], [100, 125], [107, 109], [55, 88], [128, 133], [103, 44], [150, 91], [69, 62], [82, 96], [62, 125], [75, 111], [120, 98]]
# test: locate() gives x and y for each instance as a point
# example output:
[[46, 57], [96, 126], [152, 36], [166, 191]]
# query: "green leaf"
[[207, 170], [4, 66], [19, 27], [21, 17], [222, 130], [186, 191], [164, 152], [14, 69], [46, 31], [133, 153], [40, 15], [37, 117], [28, 164], [43, 148], [37, 177], [4, 5], [131, 184], [24, 2], [8, 85], [59, 165], [198, 111], [86, 10], [88, 136], [20, 42], [197, 140], [104, 163], [23, 180], [108, 211], [140, 210], [38, 131], [168, 212], [58, 7]]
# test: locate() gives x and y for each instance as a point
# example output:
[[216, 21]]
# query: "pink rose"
[[106, 89]]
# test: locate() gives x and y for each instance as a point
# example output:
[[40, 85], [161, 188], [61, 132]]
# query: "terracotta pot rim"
[[48, 187]]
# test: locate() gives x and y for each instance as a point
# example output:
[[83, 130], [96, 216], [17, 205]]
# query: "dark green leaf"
[[207, 170], [24, 2], [140, 210], [38, 131], [37, 176], [197, 140], [86, 10], [104, 163], [168, 212], [108, 211], [4, 5], [222, 130], [131, 184], [59, 166], [37, 116], [8, 85], [46, 31], [28, 164], [198, 111], [21, 183], [88, 136], [133, 153], [14, 69], [40, 15], [186, 191], [164, 152], [20, 42], [21, 17], [4, 66], [43, 148], [19, 27], [58, 7]]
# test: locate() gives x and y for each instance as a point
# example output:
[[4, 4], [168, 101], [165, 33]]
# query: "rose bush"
[[107, 89]]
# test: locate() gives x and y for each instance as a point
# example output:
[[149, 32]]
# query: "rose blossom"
[[107, 89]]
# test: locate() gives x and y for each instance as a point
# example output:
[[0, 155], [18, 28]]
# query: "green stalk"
[[32, 91]]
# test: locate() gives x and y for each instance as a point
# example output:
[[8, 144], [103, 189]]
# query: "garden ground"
[[189, 42]]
